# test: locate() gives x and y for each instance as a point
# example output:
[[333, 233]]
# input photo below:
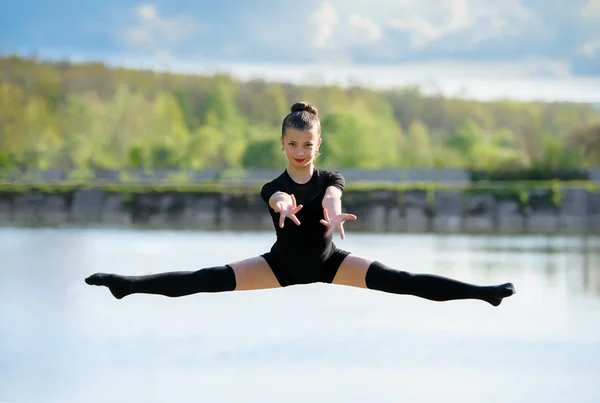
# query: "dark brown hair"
[[303, 116]]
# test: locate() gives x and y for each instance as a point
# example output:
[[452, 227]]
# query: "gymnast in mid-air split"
[[305, 204]]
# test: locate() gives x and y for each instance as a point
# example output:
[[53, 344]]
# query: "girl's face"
[[300, 146]]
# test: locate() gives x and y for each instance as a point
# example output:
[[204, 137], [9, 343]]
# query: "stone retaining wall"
[[380, 211]]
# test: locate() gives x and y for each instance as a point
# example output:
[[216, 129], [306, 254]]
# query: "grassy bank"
[[70, 185]]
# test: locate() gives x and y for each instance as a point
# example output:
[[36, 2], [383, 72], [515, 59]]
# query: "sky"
[[529, 49]]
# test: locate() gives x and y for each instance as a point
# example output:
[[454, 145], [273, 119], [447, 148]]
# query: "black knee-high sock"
[[170, 284], [436, 288]]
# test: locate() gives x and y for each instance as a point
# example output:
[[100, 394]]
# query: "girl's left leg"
[[358, 271]]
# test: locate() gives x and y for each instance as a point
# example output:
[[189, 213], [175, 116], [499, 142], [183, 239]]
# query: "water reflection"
[[61, 340], [572, 262]]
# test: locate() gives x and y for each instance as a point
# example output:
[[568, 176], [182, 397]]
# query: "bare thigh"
[[253, 274], [353, 271]]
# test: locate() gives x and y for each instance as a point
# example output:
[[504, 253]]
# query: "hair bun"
[[303, 106]]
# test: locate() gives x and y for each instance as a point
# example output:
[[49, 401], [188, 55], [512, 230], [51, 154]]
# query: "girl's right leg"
[[249, 274]]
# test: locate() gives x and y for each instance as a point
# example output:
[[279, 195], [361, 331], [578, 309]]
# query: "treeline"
[[90, 116]]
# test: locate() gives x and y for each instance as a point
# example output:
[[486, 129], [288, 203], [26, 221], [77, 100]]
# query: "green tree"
[[263, 154], [586, 142], [267, 104], [205, 146], [12, 107], [220, 102], [418, 150], [40, 139], [466, 136], [58, 114], [78, 126], [346, 141]]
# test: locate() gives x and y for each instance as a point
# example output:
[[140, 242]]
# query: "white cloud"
[[149, 30], [366, 26], [459, 14], [325, 19], [429, 21], [424, 25], [147, 12], [341, 27], [591, 48], [422, 31], [591, 9]]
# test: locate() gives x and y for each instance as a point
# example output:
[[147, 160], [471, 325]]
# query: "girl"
[[310, 198]]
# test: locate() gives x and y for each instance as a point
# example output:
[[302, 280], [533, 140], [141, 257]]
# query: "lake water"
[[64, 341]]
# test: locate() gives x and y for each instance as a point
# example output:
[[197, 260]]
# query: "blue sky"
[[519, 48]]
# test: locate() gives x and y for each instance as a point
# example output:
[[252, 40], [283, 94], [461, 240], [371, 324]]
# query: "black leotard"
[[302, 253]]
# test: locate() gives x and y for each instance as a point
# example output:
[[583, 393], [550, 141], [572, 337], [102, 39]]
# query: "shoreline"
[[556, 209]]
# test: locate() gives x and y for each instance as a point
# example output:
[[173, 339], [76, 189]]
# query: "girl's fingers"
[[289, 213]]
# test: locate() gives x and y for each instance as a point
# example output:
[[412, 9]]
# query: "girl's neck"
[[301, 175]]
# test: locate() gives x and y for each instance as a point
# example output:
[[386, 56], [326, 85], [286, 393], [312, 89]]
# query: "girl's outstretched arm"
[[332, 201], [332, 211]]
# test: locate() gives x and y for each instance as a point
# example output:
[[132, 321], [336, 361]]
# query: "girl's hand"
[[336, 222], [288, 210]]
